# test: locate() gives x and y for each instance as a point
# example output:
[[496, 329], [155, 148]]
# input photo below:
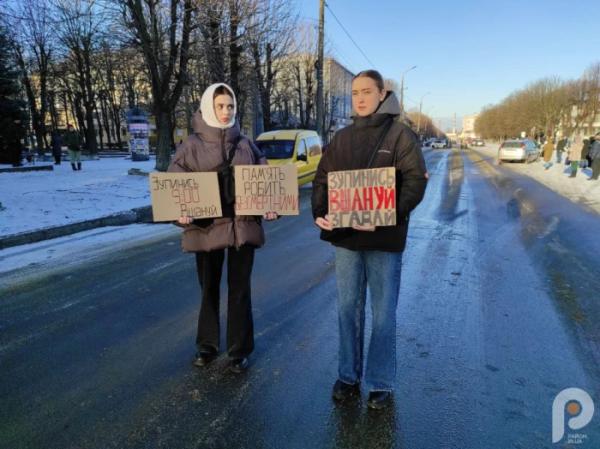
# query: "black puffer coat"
[[351, 149]]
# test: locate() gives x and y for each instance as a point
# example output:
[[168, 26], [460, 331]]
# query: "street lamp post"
[[420, 109], [402, 88]]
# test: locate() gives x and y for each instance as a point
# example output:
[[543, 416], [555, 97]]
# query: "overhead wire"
[[349, 36]]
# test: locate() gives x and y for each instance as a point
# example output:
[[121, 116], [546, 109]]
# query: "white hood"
[[207, 108]]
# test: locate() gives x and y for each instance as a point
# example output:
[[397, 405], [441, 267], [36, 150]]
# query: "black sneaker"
[[379, 399], [204, 358], [238, 365], [343, 390]]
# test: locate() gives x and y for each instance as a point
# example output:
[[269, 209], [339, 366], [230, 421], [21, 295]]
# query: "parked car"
[[293, 146], [478, 143], [427, 142], [439, 143], [522, 150]]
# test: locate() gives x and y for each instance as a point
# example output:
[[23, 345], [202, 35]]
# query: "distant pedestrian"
[[548, 149], [56, 143], [73, 143], [595, 156], [560, 148], [575, 154], [587, 154], [583, 163]]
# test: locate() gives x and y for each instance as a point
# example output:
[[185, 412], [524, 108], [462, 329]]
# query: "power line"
[[348, 34]]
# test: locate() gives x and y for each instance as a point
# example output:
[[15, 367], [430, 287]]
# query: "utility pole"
[[420, 109], [320, 63], [402, 89]]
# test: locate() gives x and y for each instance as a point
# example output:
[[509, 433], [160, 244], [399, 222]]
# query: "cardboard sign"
[[266, 188], [362, 197], [177, 195]]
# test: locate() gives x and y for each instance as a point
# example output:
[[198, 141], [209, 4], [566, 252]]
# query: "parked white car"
[[439, 144], [522, 150]]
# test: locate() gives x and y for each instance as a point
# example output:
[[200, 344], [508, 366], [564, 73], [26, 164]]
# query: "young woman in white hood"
[[215, 141]]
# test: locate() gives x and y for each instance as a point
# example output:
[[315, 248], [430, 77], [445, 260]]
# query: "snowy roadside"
[[60, 253], [46, 199], [578, 189]]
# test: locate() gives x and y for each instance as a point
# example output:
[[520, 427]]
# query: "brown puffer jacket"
[[204, 151]]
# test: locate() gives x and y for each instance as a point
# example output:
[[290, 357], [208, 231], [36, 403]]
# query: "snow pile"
[[44, 199], [578, 189]]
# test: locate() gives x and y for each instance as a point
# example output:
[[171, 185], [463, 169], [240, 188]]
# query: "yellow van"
[[293, 146]]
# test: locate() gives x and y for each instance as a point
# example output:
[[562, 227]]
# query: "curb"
[[136, 215], [27, 168]]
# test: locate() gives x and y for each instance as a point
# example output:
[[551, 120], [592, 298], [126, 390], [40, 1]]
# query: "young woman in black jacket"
[[368, 256]]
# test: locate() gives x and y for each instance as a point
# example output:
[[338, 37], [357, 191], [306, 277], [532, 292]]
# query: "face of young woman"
[[366, 96], [223, 108]]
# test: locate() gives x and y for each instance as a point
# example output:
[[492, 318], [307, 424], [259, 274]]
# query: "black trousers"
[[240, 327]]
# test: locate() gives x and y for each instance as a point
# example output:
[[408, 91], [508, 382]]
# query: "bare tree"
[[33, 47], [111, 98], [161, 30], [269, 37], [81, 22], [584, 101]]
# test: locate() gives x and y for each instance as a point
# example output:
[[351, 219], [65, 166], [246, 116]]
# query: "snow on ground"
[[85, 246], [43, 199], [578, 189]]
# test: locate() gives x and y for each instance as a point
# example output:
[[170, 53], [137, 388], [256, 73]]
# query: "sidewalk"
[[578, 189], [39, 205]]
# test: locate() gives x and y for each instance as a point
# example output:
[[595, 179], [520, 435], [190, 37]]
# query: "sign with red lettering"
[[177, 195], [266, 188], [362, 197]]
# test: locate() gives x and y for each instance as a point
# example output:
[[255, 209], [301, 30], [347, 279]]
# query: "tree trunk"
[[90, 104], [266, 90], [53, 111], [164, 142], [105, 120], [91, 143], [234, 48], [99, 128], [32, 100], [116, 119]]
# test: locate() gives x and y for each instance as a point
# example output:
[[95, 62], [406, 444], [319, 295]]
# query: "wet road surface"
[[499, 311]]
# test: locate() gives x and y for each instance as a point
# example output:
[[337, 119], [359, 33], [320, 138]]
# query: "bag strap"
[[380, 141], [233, 148], [228, 157]]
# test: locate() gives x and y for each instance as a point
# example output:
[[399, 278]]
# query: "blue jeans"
[[380, 272]]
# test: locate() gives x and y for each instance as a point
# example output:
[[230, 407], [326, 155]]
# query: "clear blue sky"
[[468, 53]]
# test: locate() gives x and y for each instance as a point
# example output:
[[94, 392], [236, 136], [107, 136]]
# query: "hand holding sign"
[[324, 223], [366, 228]]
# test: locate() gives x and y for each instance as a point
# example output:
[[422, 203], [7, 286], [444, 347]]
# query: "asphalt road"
[[499, 311]]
